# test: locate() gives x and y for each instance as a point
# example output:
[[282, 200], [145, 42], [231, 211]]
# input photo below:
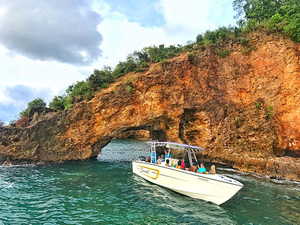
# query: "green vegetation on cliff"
[[38, 102], [273, 15]]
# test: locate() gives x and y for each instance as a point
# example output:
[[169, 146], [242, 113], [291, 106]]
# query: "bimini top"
[[174, 145]]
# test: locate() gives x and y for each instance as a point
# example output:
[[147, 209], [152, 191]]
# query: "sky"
[[45, 46]]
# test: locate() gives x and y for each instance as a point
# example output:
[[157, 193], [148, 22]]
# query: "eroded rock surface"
[[243, 109]]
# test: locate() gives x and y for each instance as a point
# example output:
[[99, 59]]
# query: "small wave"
[[113, 160], [277, 181], [18, 165], [5, 184], [249, 198], [236, 174], [227, 169]]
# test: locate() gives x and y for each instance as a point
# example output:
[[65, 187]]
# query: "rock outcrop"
[[243, 109]]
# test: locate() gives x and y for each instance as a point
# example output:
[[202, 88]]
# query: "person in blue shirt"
[[153, 156], [168, 155], [202, 168]]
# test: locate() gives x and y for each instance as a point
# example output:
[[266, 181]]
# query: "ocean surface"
[[105, 191]]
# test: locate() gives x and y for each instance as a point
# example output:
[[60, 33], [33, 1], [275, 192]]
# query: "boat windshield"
[[190, 149]]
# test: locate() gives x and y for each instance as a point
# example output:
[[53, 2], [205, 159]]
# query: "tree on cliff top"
[[258, 10], [274, 15], [38, 102]]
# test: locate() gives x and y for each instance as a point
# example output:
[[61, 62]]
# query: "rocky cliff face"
[[243, 109]]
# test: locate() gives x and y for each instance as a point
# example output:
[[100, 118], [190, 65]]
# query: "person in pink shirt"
[[182, 164]]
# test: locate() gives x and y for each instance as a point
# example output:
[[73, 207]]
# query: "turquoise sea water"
[[105, 191]]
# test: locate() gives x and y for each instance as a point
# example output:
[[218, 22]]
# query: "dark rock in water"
[[243, 109]]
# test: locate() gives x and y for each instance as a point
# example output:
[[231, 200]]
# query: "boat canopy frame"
[[190, 149]]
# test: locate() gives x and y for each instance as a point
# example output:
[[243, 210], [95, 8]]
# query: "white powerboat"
[[209, 187]]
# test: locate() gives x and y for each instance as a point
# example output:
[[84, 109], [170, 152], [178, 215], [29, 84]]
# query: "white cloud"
[[122, 37], [51, 30], [189, 18], [189, 15], [20, 70]]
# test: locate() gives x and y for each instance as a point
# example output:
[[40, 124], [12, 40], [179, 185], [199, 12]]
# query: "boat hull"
[[209, 187]]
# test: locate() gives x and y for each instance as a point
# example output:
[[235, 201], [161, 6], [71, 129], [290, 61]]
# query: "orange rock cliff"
[[243, 109]]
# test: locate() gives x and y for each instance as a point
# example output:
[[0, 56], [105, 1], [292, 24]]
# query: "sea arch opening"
[[141, 134]]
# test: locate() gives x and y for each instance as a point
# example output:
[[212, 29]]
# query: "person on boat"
[[212, 170], [167, 163], [160, 159], [202, 168], [182, 164], [178, 165], [148, 159], [193, 168], [172, 163], [153, 157], [168, 154]]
